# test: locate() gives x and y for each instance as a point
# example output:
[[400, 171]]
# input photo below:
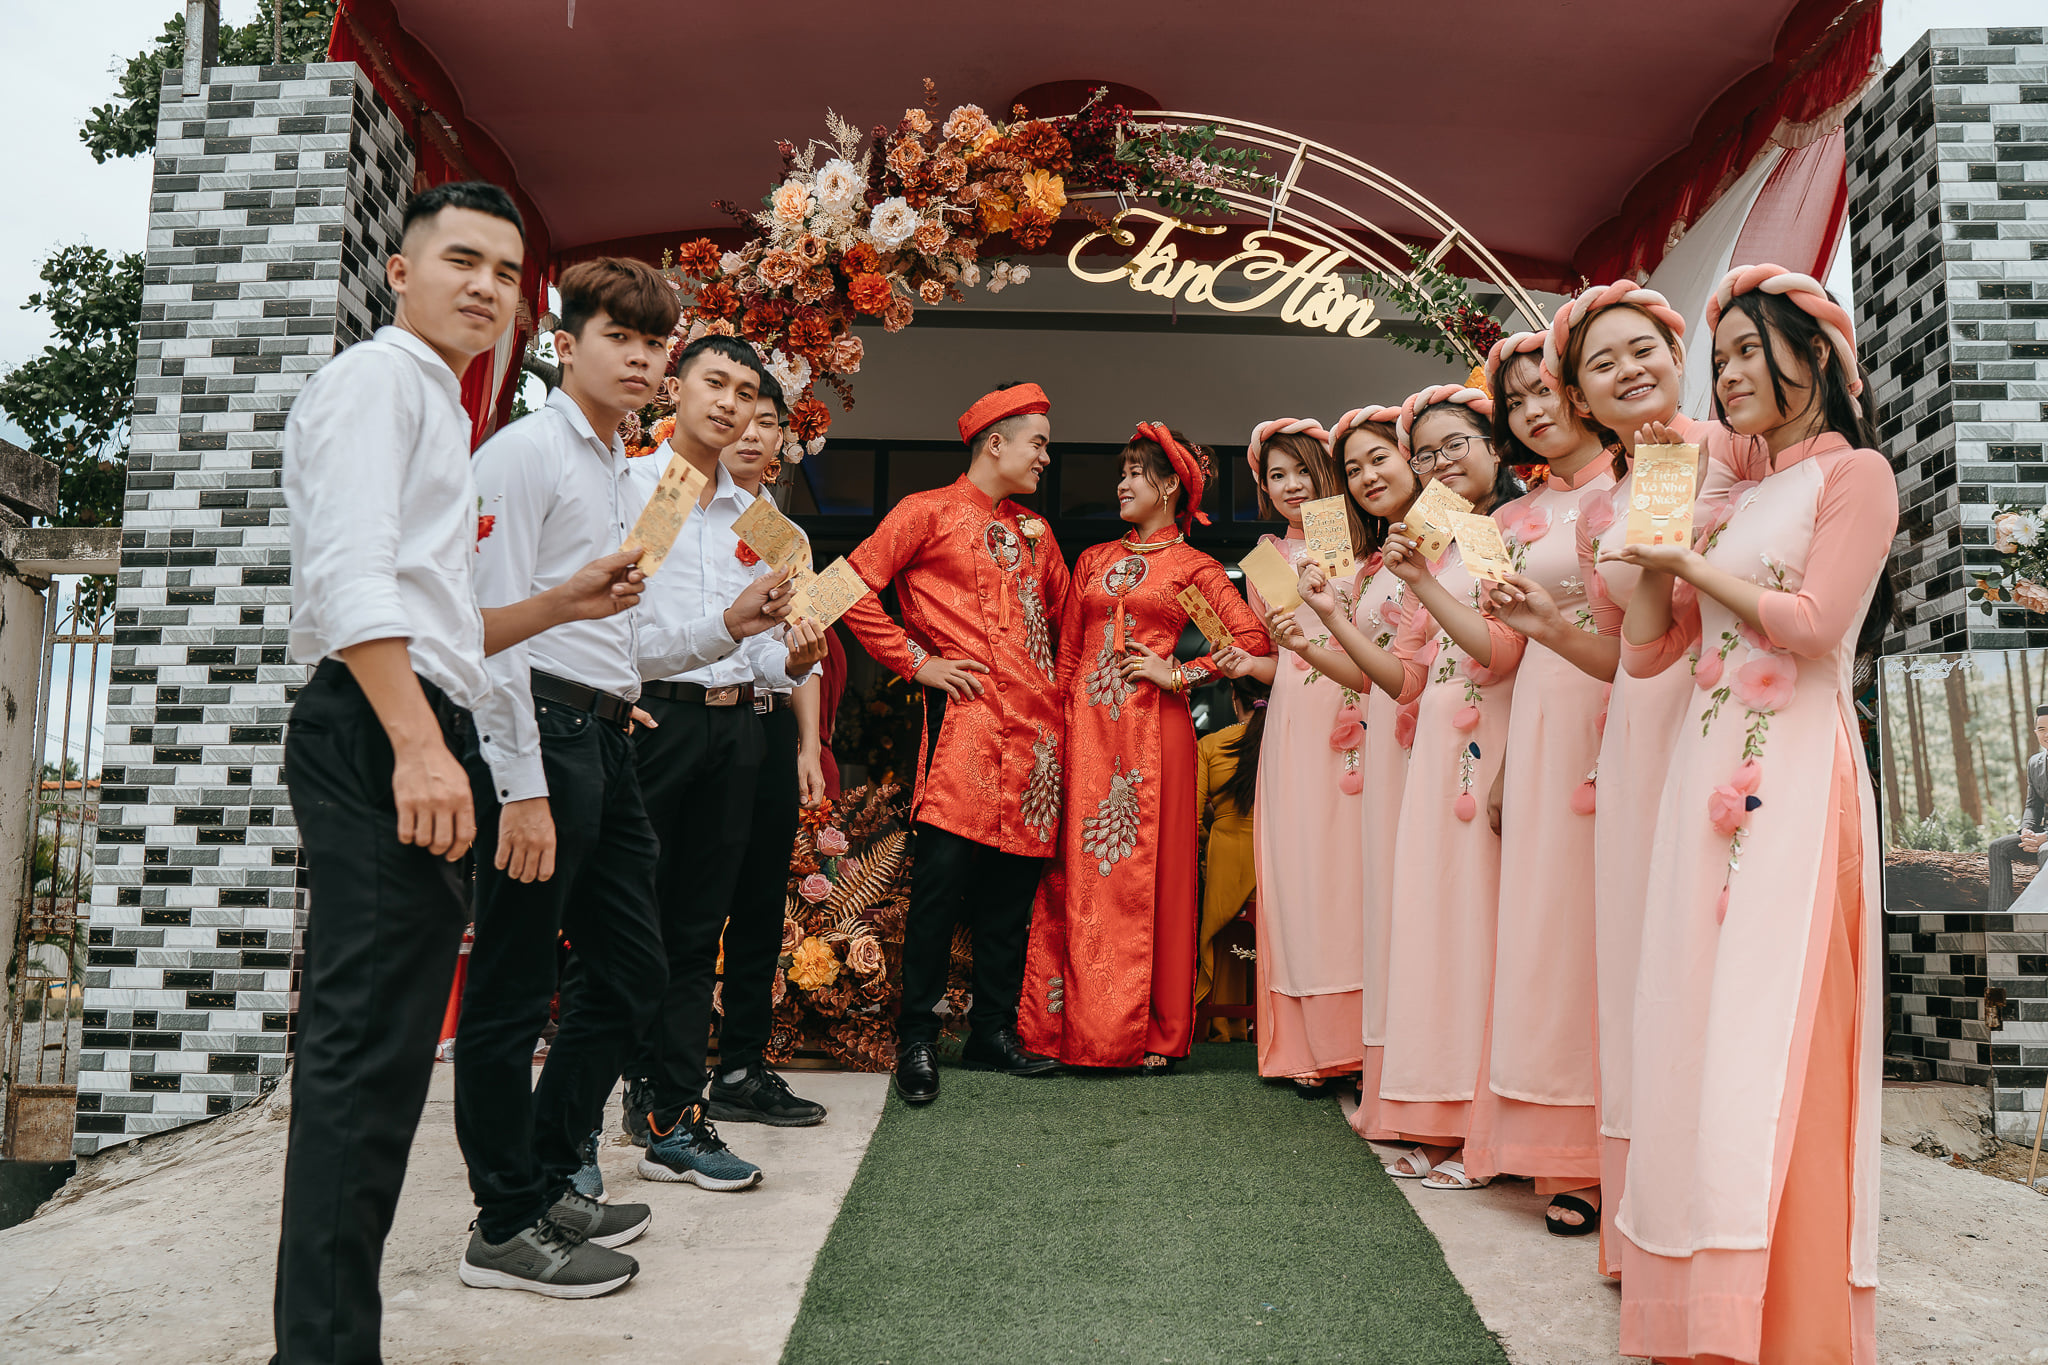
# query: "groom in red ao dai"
[[981, 583]]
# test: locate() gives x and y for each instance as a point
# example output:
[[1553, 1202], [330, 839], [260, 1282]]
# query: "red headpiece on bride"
[[1185, 465]]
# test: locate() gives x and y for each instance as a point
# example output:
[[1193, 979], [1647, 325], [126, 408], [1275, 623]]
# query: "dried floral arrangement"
[[1459, 329], [878, 224], [2020, 535], [839, 980]]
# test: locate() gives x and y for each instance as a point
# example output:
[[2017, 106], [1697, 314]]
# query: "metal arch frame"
[[1278, 206]]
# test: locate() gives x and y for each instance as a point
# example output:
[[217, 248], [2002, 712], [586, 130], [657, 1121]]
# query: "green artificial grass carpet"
[[1197, 1217]]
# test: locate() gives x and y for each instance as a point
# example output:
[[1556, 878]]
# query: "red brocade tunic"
[[973, 586], [1110, 974]]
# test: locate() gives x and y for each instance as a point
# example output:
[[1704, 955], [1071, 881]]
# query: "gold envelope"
[[1481, 547], [1273, 576], [1661, 495], [825, 596], [1327, 529], [1429, 520], [1205, 618], [661, 521], [774, 537]]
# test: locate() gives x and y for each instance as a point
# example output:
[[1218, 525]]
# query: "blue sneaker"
[[589, 1180], [691, 1151]]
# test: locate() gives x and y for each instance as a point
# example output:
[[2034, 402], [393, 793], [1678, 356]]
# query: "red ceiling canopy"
[[1570, 139]]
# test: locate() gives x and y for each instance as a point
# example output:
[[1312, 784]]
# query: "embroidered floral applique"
[[1111, 833], [1042, 788]]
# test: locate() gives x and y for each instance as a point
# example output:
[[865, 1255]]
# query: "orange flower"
[[813, 965], [932, 291], [869, 293], [995, 211], [860, 260], [930, 238], [906, 156], [815, 287], [809, 419], [898, 314], [966, 124], [717, 300], [780, 269], [698, 258], [1031, 227], [1045, 191]]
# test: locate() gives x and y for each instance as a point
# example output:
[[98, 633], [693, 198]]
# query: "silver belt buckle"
[[764, 702], [722, 696]]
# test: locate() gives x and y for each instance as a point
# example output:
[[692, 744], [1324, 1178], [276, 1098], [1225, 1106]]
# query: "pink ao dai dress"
[[1305, 835], [1749, 1220], [1444, 896], [1535, 1109]]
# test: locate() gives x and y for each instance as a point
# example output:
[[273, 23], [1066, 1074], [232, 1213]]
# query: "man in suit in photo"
[[2025, 846]]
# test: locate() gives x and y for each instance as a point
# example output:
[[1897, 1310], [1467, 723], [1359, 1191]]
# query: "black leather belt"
[[735, 694], [565, 692], [766, 701]]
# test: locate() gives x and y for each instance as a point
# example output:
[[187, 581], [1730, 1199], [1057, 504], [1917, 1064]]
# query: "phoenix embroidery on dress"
[[1037, 630], [1111, 833], [1107, 685], [1042, 788]]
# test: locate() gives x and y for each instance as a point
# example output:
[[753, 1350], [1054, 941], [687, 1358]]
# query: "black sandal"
[[1319, 1089], [1156, 1065], [1571, 1203]]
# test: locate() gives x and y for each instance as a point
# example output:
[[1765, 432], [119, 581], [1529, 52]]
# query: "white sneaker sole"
[[631, 1234], [480, 1277], [650, 1169]]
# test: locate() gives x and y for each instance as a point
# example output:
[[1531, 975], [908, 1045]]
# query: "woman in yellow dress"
[[1226, 774]]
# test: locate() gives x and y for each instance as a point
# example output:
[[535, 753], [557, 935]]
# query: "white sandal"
[[1456, 1178], [1414, 1157]]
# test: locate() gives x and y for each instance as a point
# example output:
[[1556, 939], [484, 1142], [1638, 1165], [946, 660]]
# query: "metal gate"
[[45, 1018]]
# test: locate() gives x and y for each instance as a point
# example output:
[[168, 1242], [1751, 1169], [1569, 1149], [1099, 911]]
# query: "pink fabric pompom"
[[1767, 682], [1465, 806], [1526, 522], [1351, 784], [1300, 662], [1348, 715], [1426, 654], [1582, 798], [1348, 734], [1404, 727], [1473, 670], [1706, 674], [1596, 510], [1467, 719], [1727, 809], [1754, 638]]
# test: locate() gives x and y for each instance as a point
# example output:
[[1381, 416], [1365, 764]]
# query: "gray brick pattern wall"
[[1948, 205], [276, 198]]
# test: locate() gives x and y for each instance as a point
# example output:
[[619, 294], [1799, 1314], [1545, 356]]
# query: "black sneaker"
[[608, 1225], [639, 1102], [761, 1096], [543, 1259]]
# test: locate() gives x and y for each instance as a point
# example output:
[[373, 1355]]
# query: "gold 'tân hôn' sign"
[[825, 596], [1661, 494], [661, 520], [1429, 519], [1203, 614], [1273, 576]]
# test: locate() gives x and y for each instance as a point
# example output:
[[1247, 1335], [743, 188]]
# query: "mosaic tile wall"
[[1948, 211], [276, 198]]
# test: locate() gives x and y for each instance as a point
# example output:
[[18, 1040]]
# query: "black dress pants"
[[957, 881], [698, 766], [2004, 852], [383, 929], [753, 932], [521, 1140]]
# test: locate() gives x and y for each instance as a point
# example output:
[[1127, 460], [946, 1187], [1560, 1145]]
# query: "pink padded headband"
[[1804, 292], [1474, 399], [1521, 343], [1594, 301], [1358, 417], [1281, 426]]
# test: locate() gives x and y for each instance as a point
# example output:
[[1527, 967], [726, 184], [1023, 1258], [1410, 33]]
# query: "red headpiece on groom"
[[991, 408]]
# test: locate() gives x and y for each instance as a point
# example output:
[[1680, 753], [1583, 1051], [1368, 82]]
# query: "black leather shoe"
[[761, 1096], [917, 1073], [1000, 1051]]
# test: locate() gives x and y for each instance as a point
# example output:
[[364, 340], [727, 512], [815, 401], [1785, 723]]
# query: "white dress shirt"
[[384, 513], [701, 576], [561, 497]]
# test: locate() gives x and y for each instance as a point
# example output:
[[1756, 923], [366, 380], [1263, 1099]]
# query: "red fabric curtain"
[[1825, 54], [447, 147], [1797, 219]]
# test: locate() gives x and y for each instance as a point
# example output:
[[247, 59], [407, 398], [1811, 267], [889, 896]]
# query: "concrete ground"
[[162, 1251], [1962, 1267], [165, 1252]]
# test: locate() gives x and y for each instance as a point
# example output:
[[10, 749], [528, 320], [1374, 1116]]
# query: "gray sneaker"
[[543, 1259], [608, 1225]]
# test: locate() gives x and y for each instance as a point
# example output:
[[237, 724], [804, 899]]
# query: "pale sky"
[[54, 68]]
